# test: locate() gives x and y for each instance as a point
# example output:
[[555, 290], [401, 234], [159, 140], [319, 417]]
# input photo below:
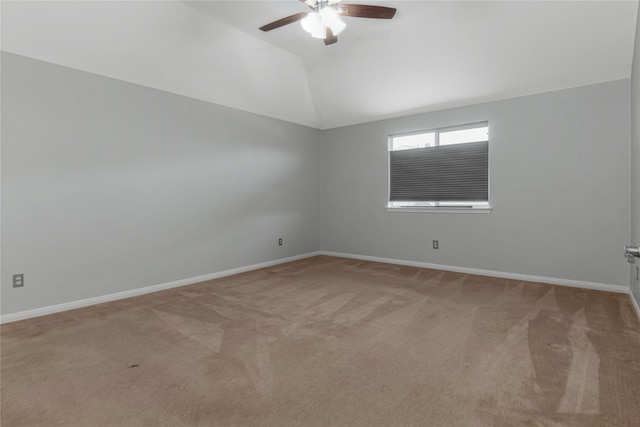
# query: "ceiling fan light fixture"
[[324, 20], [331, 18], [320, 33], [312, 24]]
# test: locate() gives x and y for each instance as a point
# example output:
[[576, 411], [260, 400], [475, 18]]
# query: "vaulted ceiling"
[[432, 55]]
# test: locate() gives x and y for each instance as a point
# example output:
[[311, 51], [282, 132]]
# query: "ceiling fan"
[[324, 22]]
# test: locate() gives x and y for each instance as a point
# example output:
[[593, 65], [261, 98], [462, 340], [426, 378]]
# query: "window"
[[440, 168]]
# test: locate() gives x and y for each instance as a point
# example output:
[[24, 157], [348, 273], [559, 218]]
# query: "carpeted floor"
[[331, 342]]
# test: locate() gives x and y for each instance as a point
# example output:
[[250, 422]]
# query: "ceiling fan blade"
[[284, 21], [331, 38], [366, 11]]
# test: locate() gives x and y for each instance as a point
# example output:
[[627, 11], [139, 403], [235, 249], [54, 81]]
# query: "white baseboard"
[[13, 317], [155, 288], [635, 304], [501, 274]]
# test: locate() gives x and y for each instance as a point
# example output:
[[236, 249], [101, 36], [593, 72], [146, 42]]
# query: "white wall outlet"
[[18, 280]]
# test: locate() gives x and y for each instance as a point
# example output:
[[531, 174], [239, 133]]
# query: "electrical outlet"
[[435, 244], [280, 241], [18, 280]]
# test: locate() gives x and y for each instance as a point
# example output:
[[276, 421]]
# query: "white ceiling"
[[432, 55]]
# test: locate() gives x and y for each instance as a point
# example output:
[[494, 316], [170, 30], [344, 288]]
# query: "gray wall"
[[108, 186], [635, 157], [559, 184]]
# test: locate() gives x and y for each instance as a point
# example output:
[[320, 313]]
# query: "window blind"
[[451, 173]]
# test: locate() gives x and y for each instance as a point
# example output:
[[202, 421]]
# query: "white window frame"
[[435, 206]]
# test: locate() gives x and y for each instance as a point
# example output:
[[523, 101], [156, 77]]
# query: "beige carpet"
[[331, 342]]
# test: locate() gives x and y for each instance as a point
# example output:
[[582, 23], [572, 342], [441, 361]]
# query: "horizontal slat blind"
[[446, 173]]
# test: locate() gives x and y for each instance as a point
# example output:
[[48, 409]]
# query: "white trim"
[[438, 130], [501, 274], [634, 303], [13, 317], [441, 210]]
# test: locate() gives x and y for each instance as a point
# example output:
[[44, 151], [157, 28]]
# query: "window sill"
[[447, 210]]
